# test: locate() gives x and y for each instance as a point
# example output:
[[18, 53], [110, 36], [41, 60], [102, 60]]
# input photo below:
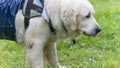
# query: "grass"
[[89, 52], [12, 55]]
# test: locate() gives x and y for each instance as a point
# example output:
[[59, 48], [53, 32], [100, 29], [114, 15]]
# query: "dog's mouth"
[[93, 35]]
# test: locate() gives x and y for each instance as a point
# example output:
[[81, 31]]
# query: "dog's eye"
[[88, 16]]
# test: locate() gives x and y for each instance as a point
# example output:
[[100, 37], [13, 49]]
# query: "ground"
[[88, 52]]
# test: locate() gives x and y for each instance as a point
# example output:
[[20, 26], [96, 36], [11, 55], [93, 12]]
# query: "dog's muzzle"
[[93, 33]]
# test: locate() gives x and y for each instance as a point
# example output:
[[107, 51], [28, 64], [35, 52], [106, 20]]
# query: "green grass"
[[12, 55], [89, 52]]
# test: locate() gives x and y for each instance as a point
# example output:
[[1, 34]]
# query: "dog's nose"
[[97, 30]]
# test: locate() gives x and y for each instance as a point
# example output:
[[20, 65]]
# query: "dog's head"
[[80, 16]]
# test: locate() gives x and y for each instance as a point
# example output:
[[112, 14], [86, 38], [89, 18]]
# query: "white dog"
[[69, 18]]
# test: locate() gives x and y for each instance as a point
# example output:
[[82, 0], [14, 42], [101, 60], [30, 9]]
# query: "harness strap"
[[29, 5], [26, 22], [51, 27], [34, 7], [64, 27]]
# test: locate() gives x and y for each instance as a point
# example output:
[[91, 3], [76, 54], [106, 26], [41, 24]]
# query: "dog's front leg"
[[51, 56], [35, 54]]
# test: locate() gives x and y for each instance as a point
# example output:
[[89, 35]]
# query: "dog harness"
[[32, 8], [35, 8]]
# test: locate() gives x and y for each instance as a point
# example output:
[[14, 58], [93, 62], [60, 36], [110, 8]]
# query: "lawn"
[[88, 52]]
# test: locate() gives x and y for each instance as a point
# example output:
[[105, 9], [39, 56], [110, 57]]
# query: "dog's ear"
[[73, 23], [69, 17]]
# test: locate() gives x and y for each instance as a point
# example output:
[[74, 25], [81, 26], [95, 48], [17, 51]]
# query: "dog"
[[69, 18]]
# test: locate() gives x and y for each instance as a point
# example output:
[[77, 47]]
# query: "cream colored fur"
[[41, 43]]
